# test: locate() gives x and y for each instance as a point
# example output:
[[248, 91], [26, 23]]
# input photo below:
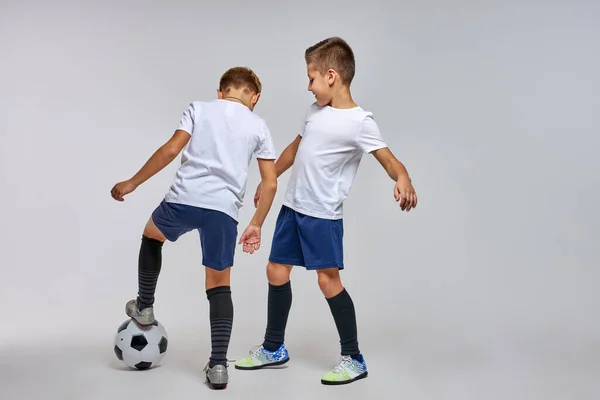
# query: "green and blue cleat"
[[259, 357], [347, 371]]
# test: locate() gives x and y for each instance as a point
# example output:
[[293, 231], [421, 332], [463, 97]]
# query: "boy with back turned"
[[309, 229], [218, 138]]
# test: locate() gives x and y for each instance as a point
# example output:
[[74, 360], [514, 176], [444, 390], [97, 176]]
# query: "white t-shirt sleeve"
[[186, 123], [265, 148], [306, 117], [369, 137], [303, 127]]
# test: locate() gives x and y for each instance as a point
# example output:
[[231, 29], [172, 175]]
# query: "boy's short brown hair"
[[240, 77], [332, 53]]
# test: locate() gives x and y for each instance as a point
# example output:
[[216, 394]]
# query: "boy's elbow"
[[270, 185], [170, 151]]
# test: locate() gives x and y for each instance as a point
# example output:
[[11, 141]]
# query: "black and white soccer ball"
[[141, 347]]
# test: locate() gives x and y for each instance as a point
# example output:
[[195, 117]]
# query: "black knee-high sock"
[[149, 263], [278, 309], [344, 315], [221, 321]]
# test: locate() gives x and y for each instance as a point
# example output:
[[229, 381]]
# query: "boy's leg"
[[322, 244], [279, 304], [149, 266], [273, 352], [166, 223], [218, 292], [285, 252], [352, 365], [218, 233], [342, 309]]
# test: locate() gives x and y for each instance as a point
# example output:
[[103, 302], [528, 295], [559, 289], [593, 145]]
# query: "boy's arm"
[[403, 190], [287, 157], [284, 162], [269, 181], [160, 159], [251, 236]]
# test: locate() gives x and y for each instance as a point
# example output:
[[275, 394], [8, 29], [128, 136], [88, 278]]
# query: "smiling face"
[[321, 85]]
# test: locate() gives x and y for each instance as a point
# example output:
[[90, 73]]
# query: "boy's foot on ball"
[[260, 357], [347, 371], [143, 317]]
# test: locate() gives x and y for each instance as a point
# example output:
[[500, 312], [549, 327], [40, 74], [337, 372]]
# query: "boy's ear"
[[219, 94], [255, 98], [331, 76]]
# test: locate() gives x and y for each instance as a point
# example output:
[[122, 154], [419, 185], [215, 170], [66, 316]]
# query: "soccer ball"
[[141, 347]]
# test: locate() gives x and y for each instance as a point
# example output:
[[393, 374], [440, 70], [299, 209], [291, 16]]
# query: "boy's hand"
[[250, 239], [121, 189], [257, 194], [405, 193]]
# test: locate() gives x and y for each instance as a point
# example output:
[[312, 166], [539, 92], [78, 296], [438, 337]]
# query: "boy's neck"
[[236, 96], [343, 99]]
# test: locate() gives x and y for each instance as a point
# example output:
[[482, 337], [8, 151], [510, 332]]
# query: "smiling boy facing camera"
[[309, 229]]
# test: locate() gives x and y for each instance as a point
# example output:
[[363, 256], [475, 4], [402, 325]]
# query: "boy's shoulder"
[[356, 113], [217, 106]]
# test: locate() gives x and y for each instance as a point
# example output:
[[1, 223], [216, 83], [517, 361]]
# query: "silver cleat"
[[144, 317], [217, 376]]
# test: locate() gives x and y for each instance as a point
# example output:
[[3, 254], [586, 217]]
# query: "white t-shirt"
[[333, 143], [225, 135]]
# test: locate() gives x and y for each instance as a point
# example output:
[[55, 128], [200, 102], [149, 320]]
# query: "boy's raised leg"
[[149, 265], [273, 352], [352, 365]]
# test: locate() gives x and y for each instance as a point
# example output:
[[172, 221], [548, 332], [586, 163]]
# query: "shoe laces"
[[345, 362]]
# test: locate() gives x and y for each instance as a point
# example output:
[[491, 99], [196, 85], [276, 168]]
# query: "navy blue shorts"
[[218, 231], [305, 241]]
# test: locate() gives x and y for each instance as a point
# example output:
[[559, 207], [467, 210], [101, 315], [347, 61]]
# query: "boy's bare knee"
[[152, 232], [216, 278], [330, 282], [278, 274]]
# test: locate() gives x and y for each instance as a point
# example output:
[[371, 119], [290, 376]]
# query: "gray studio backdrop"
[[493, 109]]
